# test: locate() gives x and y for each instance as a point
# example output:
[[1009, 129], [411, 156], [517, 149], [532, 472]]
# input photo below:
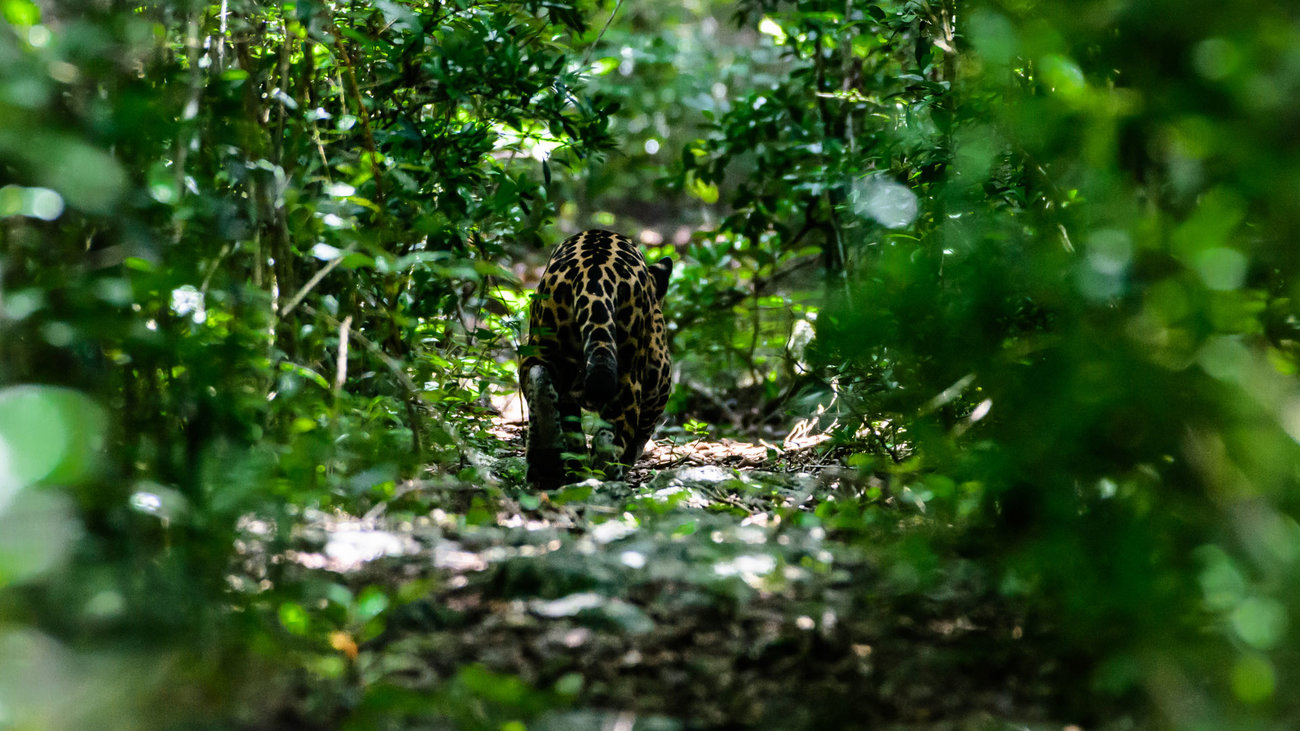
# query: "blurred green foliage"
[[257, 248], [1058, 248], [1031, 264]]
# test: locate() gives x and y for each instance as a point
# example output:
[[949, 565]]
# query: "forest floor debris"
[[704, 593]]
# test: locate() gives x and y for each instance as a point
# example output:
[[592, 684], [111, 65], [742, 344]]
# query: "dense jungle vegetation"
[[985, 335]]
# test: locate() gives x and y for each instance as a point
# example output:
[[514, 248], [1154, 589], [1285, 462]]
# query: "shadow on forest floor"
[[711, 590]]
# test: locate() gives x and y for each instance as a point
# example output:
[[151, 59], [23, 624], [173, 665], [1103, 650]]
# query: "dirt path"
[[715, 594]]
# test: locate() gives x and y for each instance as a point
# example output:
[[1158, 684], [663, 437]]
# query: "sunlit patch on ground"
[[701, 589], [803, 450], [349, 543]]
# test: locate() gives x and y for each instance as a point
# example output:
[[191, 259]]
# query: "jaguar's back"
[[596, 339]]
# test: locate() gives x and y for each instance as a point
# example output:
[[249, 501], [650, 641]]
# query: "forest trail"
[[796, 452], [702, 593]]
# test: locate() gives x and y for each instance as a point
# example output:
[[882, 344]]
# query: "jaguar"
[[596, 341]]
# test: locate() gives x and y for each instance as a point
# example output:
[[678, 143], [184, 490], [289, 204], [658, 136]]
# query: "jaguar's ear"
[[661, 270]]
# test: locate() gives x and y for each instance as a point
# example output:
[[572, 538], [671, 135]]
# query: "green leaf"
[[1260, 622], [162, 184], [48, 434], [570, 685], [605, 65], [1253, 678], [371, 603], [294, 619], [21, 12], [706, 192]]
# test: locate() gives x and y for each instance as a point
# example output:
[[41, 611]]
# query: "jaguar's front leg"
[[545, 447]]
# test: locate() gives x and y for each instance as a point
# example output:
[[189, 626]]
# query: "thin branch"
[[311, 283], [411, 395], [586, 57]]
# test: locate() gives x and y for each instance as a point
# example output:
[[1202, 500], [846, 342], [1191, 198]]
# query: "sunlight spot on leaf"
[[611, 530], [604, 65], [339, 190], [707, 192], [146, 502], [567, 606], [682, 495], [540, 149], [21, 12], [325, 252], [891, 204], [746, 566], [1062, 75], [187, 300], [770, 27], [279, 95]]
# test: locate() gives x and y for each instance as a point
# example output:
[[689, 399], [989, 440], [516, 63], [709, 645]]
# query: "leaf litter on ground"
[[703, 596]]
